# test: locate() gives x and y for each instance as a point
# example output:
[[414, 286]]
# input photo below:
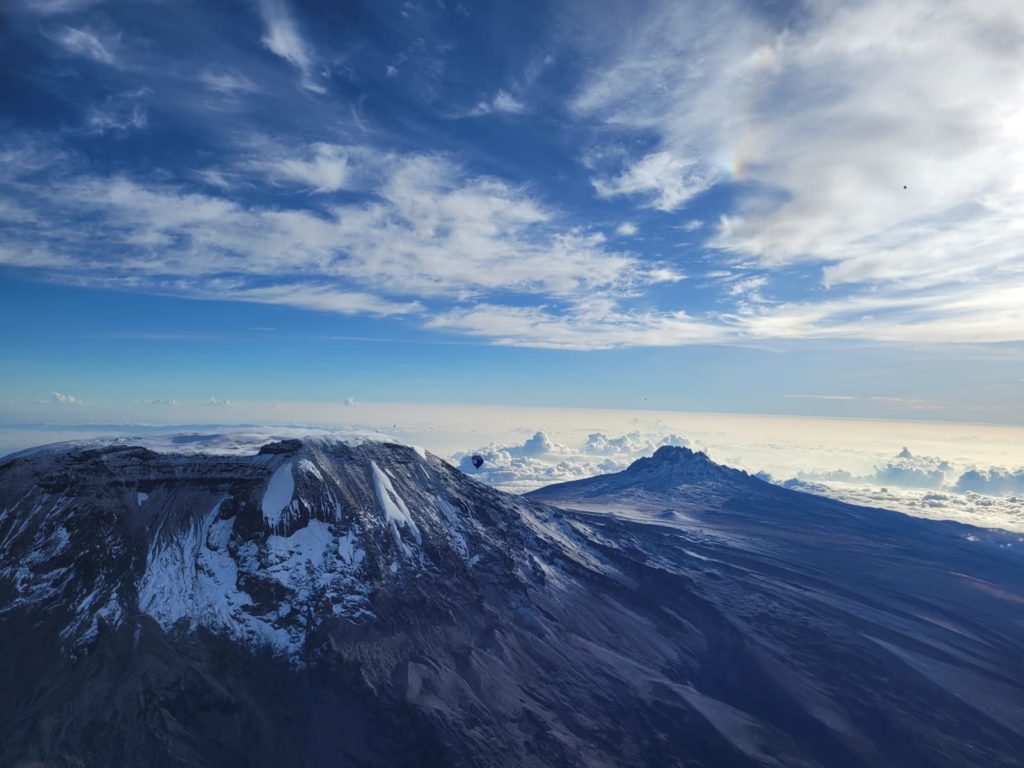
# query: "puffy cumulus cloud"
[[521, 473], [913, 471], [62, 399], [905, 470], [528, 459], [540, 461], [993, 481], [631, 445], [926, 486], [538, 445]]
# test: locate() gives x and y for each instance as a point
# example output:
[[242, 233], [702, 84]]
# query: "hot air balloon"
[[478, 460]]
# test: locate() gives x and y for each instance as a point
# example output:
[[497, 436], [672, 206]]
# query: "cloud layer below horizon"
[[923, 486]]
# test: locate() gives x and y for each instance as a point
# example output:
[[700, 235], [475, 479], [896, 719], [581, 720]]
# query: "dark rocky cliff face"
[[320, 602]]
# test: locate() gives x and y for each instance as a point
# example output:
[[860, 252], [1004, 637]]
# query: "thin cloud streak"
[[282, 37], [89, 43]]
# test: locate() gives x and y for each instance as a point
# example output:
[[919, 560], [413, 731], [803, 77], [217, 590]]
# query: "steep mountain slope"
[[321, 602], [886, 629]]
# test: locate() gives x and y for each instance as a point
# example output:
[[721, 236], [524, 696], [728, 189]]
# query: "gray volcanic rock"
[[244, 601]]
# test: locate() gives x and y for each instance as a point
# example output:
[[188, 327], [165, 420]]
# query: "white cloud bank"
[[844, 457], [992, 481], [922, 486], [877, 141], [927, 486], [540, 461]]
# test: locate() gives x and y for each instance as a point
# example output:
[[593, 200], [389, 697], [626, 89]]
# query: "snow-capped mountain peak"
[[265, 542]]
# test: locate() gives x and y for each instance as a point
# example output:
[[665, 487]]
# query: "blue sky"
[[807, 208]]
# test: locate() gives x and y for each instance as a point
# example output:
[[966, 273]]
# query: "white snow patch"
[[451, 522], [192, 575], [86, 624], [34, 575], [194, 578], [348, 551], [299, 561], [395, 512], [308, 467], [279, 494]]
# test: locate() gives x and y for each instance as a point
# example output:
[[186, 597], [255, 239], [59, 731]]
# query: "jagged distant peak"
[[672, 454], [673, 464], [671, 469]]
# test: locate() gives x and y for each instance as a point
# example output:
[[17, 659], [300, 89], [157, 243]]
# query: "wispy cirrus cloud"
[[282, 37], [57, 7], [581, 326], [871, 141], [226, 83], [89, 43], [320, 167], [118, 113], [502, 101], [310, 203], [665, 180], [323, 298], [424, 231], [820, 397]]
